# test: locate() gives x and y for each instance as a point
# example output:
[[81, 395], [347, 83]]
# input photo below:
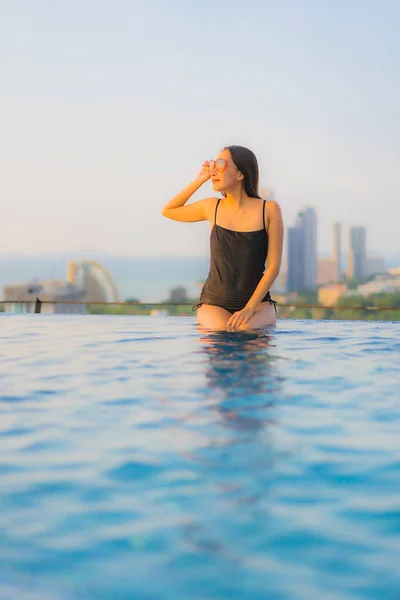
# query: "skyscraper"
[[356, 264], [295, 273], [337, 249], [302, 255], [309, 220]]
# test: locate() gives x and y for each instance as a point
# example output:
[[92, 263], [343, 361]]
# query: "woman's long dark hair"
[[246, 162]]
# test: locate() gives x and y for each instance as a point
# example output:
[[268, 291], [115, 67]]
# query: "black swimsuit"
[[237, 263]]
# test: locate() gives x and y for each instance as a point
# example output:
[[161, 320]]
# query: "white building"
[[20, 298], [87, 281], [381, 285]]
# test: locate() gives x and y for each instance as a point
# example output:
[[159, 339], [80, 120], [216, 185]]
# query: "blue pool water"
[[142, 459]]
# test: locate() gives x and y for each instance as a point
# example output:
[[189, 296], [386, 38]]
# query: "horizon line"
[[87, 253]]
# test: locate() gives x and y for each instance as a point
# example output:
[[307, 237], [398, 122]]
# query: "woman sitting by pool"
[[246, 234]]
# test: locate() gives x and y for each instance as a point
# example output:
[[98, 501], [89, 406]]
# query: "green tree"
[[310, 297], [301, 313], [321, 314], [178, 294], [384, 299], [350, 315]]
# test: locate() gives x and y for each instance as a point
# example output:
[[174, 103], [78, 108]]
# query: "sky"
[[108, 110]]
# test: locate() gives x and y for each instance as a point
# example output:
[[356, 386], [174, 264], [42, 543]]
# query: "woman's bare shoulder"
[[273, 211], [211, 204]]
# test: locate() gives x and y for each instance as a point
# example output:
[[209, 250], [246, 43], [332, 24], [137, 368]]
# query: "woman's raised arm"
[[197, 211]]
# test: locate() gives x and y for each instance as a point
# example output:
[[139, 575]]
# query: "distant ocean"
[[147, 278]]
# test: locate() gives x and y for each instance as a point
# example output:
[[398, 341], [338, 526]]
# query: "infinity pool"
[[142, 459]]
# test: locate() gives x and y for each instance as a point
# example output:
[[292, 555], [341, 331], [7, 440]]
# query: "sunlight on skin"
[[263, 316]]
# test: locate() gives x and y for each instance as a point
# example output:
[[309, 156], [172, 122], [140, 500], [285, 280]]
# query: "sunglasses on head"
[[219, 165]]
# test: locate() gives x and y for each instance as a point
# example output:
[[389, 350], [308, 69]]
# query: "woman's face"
[[229, 177]]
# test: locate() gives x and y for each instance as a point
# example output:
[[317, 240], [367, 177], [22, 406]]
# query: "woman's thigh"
[[213, 317], [264, 315]]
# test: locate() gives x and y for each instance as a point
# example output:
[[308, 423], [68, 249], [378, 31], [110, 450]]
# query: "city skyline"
[[305, 269], [309, 269], [108, 112]]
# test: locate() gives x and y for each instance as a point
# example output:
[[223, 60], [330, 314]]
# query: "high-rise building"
[[302, 255], [356, 263], [295, 273], [309, 221], [337, 249]]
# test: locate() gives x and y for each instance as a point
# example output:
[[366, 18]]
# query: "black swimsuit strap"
[[216, 208]]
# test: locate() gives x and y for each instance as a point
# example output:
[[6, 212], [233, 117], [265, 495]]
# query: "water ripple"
[[141, 458]]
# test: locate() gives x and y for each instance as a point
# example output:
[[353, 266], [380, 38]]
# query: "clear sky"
[[109, 108]]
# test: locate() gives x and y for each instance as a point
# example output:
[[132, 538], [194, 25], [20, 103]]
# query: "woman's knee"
[[263, 317], [212, 317]]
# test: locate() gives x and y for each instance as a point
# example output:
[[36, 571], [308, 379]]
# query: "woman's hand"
[[241, 317], [204, 174]]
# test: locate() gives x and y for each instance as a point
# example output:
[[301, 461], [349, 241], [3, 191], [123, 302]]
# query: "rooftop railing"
[[38, 305]]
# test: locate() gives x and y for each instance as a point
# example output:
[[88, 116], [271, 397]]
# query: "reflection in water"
[[243, 372], [244, 383]]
